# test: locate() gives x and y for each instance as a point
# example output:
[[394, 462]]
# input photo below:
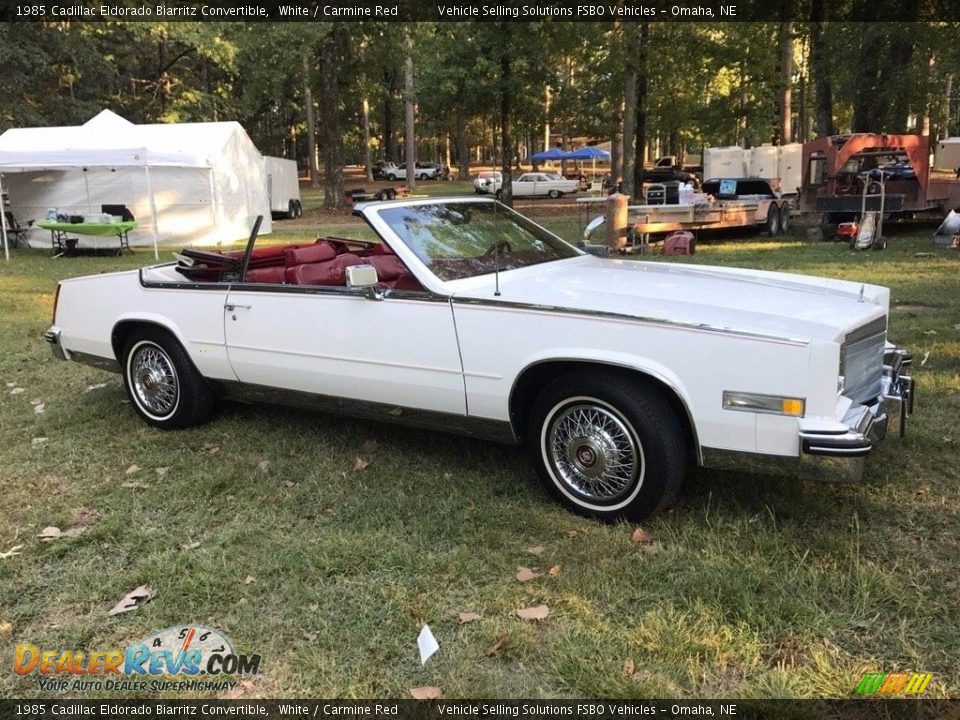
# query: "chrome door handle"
[[234, 306]]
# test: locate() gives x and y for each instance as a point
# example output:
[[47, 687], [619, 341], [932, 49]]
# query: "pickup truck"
[[399, 172]]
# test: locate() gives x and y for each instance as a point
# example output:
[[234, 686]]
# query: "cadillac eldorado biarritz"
[[617, 375]]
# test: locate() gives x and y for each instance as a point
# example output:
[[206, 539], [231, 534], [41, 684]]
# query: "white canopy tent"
[[202, 182]]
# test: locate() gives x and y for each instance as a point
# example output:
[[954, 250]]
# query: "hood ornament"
[[862, 288]]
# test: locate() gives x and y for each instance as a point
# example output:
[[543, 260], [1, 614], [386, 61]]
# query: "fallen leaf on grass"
[[6, 630], [930, 332], [15, 550], [134, 485], [248, 579], [525, 574], [468, 617], [640, 536], [539, 612], [499, 645], [309, 636], [211, 449], [926, 356], [651, 548], [38, 442], [331, 511], [574, 533], [84, 516], [428, 692], [95, 387], [39, 409], [360, 464], [132, 600], [238, 690], [263, 465], [13, 384], [628, 667], [133, 469], [535, 550], [370, 447], [17, 391], [49, 533], [161, 471], [289, 483], [190, 546], [554, 571]]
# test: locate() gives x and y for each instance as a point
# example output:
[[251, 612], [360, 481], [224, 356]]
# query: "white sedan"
[[469, 318], [538, 184]]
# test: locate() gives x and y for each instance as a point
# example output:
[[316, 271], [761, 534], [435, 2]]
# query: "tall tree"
[[785, 134], [640, 126], [625, 172], [331, 51], [820, 65], [410, 138], [311, 121]]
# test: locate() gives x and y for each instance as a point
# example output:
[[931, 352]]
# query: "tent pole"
[[153, 213], [3, 221]]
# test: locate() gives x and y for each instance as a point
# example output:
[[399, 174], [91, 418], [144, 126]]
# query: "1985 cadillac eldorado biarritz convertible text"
[[468, 317]]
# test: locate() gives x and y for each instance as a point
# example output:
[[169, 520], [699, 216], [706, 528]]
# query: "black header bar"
[[469, 10]]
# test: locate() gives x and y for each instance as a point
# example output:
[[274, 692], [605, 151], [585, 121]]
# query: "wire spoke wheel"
[[153, 378], [593, 451]]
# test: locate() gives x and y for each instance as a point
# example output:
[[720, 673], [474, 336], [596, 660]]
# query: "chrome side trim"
[[101, 363], [625, 317], [483, 428]]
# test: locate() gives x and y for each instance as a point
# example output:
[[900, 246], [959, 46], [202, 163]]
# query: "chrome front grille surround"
[[861, 361]]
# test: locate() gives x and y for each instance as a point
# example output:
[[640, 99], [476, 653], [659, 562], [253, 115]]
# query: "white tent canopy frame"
[[109, 141]]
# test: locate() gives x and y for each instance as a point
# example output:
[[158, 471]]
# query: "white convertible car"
[[468, 317]]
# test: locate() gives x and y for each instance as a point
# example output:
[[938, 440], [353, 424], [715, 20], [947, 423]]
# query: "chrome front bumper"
[[833, 456], [52, 336]]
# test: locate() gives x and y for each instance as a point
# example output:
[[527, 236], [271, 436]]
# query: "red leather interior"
[[273, 274], [320, 252], [332, 272]]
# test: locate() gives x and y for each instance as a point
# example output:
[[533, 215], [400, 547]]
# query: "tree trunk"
[[625, 173], [640, 124], [786, 82], [388, 132], [946, 122], [820, 64], [311, 124], [330, 124], [463, 149], [410, 138], [506, 120], [367, 150]]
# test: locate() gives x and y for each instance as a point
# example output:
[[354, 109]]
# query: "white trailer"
[[725, 162], [283, 187], [947, 155]]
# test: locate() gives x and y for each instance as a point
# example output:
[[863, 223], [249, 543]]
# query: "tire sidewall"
[[784, 220], [773, 220], [131, 391], [649, 423]]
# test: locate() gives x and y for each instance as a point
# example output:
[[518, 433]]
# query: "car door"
[[524, 186], [337, 343]]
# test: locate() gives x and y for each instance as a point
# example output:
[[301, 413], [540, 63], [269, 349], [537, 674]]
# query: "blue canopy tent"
[[553, 153], [588, 153]]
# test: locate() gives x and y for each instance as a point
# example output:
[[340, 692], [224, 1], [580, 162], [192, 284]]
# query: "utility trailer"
[[283, 187], [835, 168], [722, 204]]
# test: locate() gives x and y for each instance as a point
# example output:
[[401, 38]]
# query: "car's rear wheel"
[[162, 383], [423, 176], [391, 177], [554, 194], [773, 220], [784, 219], [606, 446]]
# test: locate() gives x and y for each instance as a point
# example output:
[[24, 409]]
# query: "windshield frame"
[[371, 212]]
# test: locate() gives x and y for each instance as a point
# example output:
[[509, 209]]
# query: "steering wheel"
[[504, 246]]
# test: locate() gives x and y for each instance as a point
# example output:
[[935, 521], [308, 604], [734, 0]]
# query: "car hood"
[[778, 305]]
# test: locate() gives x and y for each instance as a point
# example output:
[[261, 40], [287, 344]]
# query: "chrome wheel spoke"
[[154, 380], [593, 452]]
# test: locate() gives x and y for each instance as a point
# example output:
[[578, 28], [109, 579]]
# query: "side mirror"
[[364, 277]]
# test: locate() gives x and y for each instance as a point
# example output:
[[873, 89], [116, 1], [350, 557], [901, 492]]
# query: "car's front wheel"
[[607, 446], [554, 194], [164, 387]]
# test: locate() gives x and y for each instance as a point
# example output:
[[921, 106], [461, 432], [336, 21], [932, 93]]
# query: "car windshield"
[[461, 240]]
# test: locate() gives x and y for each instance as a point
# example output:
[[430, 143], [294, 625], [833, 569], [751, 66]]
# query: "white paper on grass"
[[427, 643]]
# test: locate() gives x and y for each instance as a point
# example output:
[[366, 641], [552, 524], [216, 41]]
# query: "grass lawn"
[[260, 525]]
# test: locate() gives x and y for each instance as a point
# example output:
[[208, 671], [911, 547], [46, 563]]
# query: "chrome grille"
[[861, 361]]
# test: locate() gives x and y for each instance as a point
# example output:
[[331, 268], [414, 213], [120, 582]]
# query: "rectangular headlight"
[[770, 404]]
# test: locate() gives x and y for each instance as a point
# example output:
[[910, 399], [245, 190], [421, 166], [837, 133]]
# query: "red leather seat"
[[320, 252], [331, 272], [273, 274]]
